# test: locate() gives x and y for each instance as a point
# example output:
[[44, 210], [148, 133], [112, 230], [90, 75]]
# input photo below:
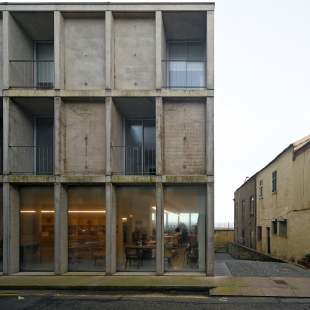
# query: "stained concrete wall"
[[222, 236], [118, 164], [84, 53], [184, 138], [21, 133], [85, 137], [135, 51], [20, 48], [276, 205]]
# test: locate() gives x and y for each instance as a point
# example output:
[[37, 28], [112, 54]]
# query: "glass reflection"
[[184, 228], [86, 228], [1, 228], [136, 229], [37, 228]]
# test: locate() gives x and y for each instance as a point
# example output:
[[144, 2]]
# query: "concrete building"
[[108, 138], [282, 201]]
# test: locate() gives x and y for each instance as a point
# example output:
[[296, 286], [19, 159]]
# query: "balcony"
[[34, 74], [32, 160], [184, 74], [134, 160]]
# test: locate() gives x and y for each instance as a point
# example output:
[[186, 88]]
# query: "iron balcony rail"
[[1, 159], [36, 74], [184, 74], [34, 160], [134, 160]]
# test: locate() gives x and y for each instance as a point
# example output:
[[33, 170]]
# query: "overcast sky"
[[262, 84]]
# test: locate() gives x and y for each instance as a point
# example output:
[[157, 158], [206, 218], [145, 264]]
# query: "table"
[[141, 247], [76, 245]]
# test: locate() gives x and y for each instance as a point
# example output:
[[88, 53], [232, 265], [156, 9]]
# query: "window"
[[261, 184], [274, 181], [274, 227], [186, 65], [243, 205], [236, 209], [282, 228], [44, 62], [252, 206], [140, 141], [259, 233]]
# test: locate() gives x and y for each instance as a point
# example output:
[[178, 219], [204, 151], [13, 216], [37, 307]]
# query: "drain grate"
[[280, 282]]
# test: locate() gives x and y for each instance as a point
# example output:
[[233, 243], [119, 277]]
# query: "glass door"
[[44, 64]]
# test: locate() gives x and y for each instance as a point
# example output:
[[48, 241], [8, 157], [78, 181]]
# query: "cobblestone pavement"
[[225, 265]]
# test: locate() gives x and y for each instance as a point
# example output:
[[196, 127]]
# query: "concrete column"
[[210, 229], [61, 228], [158, 34], [59, 50], [5, 21], [108, 115], [109, 37], [210, 136], [159, 135], [110, 229], [11, 228], [210, 50], [159, 229], [6, 132], [59, 134]]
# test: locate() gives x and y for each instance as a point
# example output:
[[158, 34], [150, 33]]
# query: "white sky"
[[262, 70]]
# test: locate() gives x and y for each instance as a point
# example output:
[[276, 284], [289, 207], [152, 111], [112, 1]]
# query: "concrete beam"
[[159, 135], [210, 136], [59, 50], [59, 136], [5, 46], [109, 41], [158, 35], [159, 229], [210, 50], [111, 229], [108, 115], [61, 228], [210, 229], [11, 229]]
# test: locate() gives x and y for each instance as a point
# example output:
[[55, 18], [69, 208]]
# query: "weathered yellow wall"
[[222, 236], [291, 202]]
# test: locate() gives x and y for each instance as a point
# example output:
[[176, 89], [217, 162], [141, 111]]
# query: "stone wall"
[[241, 252]]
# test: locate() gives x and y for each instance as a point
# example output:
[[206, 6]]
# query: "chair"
[[99, 252], [73, 253], [192, 256], [132, 254], [168, 255]]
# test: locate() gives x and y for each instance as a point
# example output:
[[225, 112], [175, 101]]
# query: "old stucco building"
[[282, 203], [108, 151]]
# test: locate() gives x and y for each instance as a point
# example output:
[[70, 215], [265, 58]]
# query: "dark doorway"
[[268, 240]]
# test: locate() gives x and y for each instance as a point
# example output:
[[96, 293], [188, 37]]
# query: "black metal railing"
[[32, 74], [135, 160], [37, 160], [184, 74], [1, 159]]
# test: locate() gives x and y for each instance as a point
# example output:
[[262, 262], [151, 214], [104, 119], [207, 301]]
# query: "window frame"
[[283, 228], [259, 233], [261, 188], [243, 208], [252, 206], [274, 226], [274, 181]]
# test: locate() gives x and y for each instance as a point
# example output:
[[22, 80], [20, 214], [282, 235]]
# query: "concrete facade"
[[282, 206], [110, 64]]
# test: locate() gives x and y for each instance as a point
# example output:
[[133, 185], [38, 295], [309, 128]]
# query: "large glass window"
[[44, 57], [184, 237], [140, 141], [37, 228], [86, 228], [186, 65], [136, 228]]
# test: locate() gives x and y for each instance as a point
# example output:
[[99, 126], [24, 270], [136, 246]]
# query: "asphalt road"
[[140, 301]]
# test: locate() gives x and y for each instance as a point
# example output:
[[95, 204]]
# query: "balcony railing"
[[32, 74], [134, 160], [37, 160], [1, 159], [184, 74]]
